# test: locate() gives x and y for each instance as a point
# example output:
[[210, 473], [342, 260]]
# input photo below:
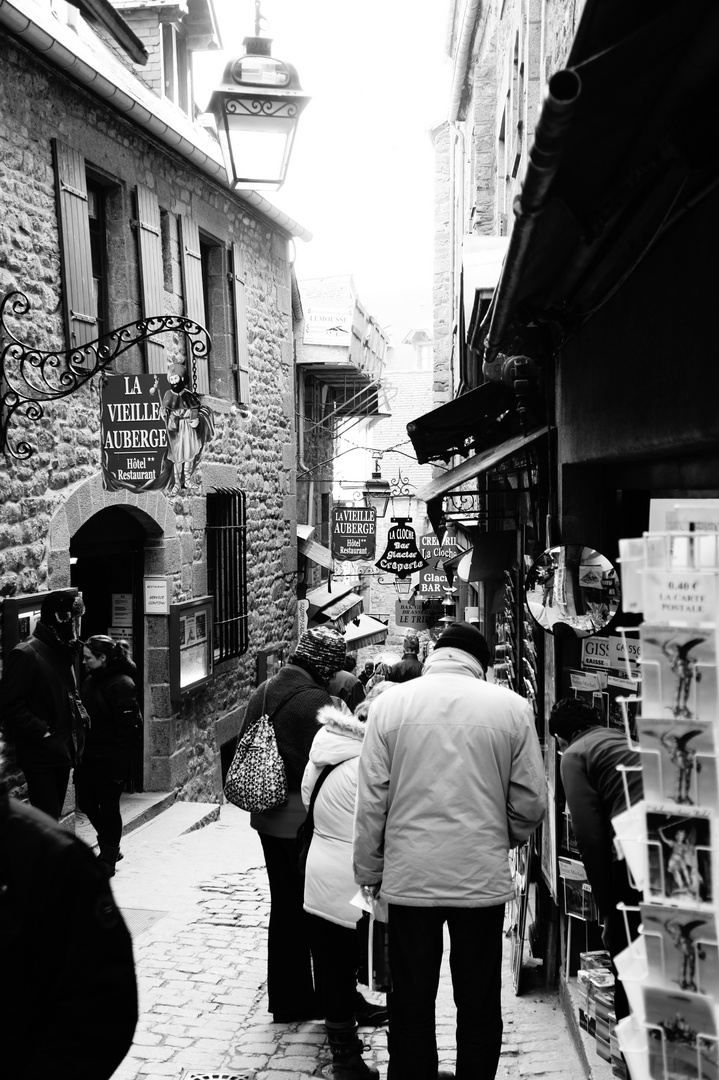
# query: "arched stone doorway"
[[105, 544]]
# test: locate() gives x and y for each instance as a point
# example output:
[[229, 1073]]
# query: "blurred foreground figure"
[[69, 976]]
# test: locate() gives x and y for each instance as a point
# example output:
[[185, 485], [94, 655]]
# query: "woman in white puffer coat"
[[330, 884]]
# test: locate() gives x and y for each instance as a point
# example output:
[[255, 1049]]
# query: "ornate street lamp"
[[377, 491], [256, 109]]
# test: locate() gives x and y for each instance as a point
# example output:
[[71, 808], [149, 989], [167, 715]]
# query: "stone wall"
[[38, 104]]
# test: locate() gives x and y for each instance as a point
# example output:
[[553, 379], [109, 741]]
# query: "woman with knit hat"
[[295, 695]]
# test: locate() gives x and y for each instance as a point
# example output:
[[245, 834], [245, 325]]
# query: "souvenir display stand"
[[670, 840]]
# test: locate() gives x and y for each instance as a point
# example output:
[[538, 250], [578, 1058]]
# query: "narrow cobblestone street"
[[197, 906]]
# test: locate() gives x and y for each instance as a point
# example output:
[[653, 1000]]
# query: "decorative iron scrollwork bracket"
[[29, 376]]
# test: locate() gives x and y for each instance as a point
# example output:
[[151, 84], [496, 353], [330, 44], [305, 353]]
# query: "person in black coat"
[[110, 699], [297, 692], [70, 1003], [410, 666], [39, 705], [595, 791]]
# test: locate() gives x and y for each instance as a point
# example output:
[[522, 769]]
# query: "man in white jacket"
[[450, 777]]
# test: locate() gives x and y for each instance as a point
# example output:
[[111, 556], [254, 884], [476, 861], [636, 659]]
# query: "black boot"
[[368, 1014], [108, 857], [347, 1061]]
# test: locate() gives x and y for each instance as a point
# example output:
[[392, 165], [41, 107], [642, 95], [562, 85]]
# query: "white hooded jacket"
[[329, 882], [450, 776]]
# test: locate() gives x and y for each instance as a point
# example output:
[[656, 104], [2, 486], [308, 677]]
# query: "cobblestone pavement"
[[198, 906]]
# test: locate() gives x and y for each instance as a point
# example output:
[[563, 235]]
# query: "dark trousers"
[[615, 936], [415, 956], [290, 989], [335, 951], [99, 798], [47, 788]]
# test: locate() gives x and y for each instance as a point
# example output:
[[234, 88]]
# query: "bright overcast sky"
[[361, 174]]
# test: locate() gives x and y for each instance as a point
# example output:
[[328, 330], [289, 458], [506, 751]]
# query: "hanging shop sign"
[[432, 578], [410, 617], [402, 556], [153, 431], [354, 532]]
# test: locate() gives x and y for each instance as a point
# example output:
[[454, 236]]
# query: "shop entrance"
[[107, 565]]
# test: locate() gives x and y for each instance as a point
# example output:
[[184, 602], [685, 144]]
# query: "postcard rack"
[[670, 840]]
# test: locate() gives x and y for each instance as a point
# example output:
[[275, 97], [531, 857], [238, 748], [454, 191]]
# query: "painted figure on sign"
[[189, 425]]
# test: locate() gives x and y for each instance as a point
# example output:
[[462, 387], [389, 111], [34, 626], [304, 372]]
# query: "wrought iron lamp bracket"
[[30, 376]]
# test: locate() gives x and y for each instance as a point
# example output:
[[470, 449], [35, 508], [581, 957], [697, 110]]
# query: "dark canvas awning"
[[482, 418]]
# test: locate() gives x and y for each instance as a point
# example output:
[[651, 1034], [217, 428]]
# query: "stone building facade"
[[146, 179]]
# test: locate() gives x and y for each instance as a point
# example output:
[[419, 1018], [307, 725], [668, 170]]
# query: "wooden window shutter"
[[149, 242], [242, 359], [192, 286], [74, 221]]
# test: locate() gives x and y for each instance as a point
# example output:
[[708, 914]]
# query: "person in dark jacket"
[[298, 691], [410, 666], [110, 698], [366, 674], [345, 685], [39, 705], [70, 1003], [594, 761]]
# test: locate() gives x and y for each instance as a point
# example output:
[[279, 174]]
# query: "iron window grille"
[[227, 571]]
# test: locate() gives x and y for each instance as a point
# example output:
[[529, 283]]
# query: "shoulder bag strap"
[[299, 690], [310, 819]]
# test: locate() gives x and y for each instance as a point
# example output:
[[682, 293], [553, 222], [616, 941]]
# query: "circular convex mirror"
[[572, 589]]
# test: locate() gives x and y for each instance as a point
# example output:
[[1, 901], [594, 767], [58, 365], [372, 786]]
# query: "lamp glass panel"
[[259, 153], [260, 71]]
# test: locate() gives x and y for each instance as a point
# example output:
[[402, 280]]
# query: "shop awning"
[[453, 479], [344, 610], [479, 419], [368, 631], [640, 89], [340, 606], [309, 547]]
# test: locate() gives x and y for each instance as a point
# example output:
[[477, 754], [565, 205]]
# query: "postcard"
[[679, 763], [679, 675], [682, 1035], [681, 947], [680, 853]]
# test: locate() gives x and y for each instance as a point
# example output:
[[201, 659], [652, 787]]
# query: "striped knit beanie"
[[323, 649]]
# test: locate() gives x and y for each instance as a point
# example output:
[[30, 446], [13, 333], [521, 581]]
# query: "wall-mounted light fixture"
[[402, 586], [257, 108]]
